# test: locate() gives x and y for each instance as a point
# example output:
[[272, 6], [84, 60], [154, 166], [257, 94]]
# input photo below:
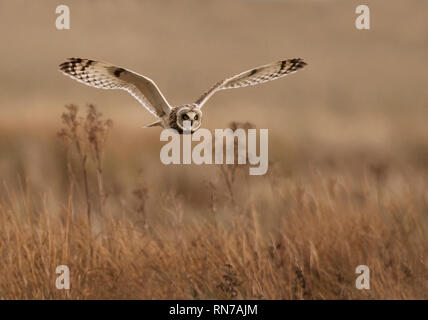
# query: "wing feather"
[[255, 76], [106, 76]]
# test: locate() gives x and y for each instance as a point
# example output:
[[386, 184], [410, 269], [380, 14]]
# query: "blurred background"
[[361, 99], [348, 147]]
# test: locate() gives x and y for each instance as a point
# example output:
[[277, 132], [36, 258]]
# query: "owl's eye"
[[196, 117], [185, 117]]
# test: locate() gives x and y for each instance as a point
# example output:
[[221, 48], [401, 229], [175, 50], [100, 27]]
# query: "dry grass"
[[279, 237]]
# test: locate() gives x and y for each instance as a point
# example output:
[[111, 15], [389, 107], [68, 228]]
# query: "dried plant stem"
[[97, 130], [228, 179], [83, 159], [100, 181]]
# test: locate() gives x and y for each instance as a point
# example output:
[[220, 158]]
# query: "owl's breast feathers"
[[171, 119]]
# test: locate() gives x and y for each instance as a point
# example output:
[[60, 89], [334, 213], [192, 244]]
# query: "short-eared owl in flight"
[[107, 76]]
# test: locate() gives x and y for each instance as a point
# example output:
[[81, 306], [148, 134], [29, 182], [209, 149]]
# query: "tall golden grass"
[[276, 237]]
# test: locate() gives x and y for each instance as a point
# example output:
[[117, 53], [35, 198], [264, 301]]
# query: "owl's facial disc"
[[189, 119]]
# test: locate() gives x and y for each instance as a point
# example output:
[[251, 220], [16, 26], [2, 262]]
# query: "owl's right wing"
[[106, 76], [254, 76]]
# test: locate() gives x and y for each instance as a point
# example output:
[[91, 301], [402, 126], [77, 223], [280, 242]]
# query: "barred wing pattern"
[[255, 76], [106, 76]]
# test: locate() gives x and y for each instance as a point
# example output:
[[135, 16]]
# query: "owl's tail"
[[154, 124]]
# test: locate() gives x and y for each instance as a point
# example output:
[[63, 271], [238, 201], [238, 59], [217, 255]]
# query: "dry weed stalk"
[[141, 193], [230, 282], [97, 131], [88, 136], [229, 171], [71, 134]]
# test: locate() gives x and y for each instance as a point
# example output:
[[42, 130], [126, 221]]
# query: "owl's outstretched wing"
[[106, 76], [254, 76]]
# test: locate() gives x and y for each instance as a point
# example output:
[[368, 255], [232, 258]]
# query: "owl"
[[184, 117]]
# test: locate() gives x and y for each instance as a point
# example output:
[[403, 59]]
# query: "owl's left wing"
[[254, 76]]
